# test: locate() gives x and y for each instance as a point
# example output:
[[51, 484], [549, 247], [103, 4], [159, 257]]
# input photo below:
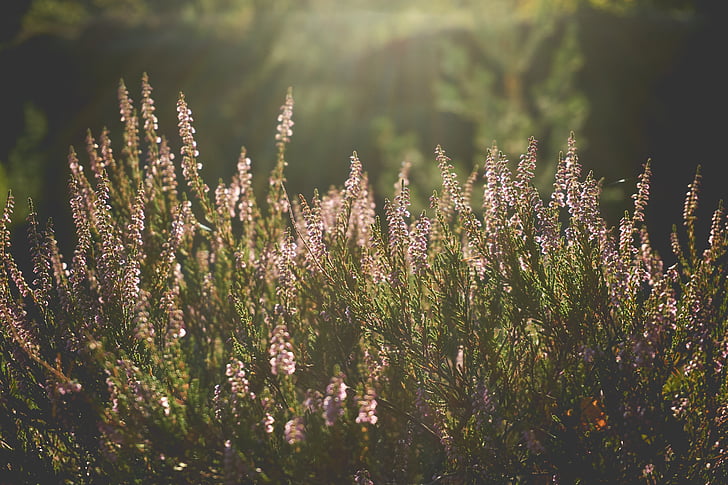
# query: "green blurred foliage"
[[25, 161], [514, 76], [389, 79]]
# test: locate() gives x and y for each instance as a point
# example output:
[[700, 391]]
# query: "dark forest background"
[[391, 79]]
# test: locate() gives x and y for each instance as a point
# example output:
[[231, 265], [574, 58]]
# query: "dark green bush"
[[206, 336]]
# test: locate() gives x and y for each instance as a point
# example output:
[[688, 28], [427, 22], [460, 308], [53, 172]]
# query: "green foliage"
[[25, 160], [207, 336], [461, 74]]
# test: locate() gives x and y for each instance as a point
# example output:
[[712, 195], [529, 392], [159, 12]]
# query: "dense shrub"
[[205, 336]]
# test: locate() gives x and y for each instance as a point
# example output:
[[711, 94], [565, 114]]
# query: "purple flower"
[[281, 351], [643, 194], [294, 430], [313, 400], [284, 130], [268, 421], [368, 407], [417, 250], [235, 373], [334, 400], [691, 201]]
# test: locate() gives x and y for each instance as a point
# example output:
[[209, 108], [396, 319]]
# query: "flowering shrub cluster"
[[201, 335]]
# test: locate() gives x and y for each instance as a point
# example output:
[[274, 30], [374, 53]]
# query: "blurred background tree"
[[390, 79]]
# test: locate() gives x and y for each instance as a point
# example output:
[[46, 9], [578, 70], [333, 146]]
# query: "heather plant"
[[198, 335]]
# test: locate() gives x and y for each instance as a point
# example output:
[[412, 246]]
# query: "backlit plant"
[[214, 335]]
